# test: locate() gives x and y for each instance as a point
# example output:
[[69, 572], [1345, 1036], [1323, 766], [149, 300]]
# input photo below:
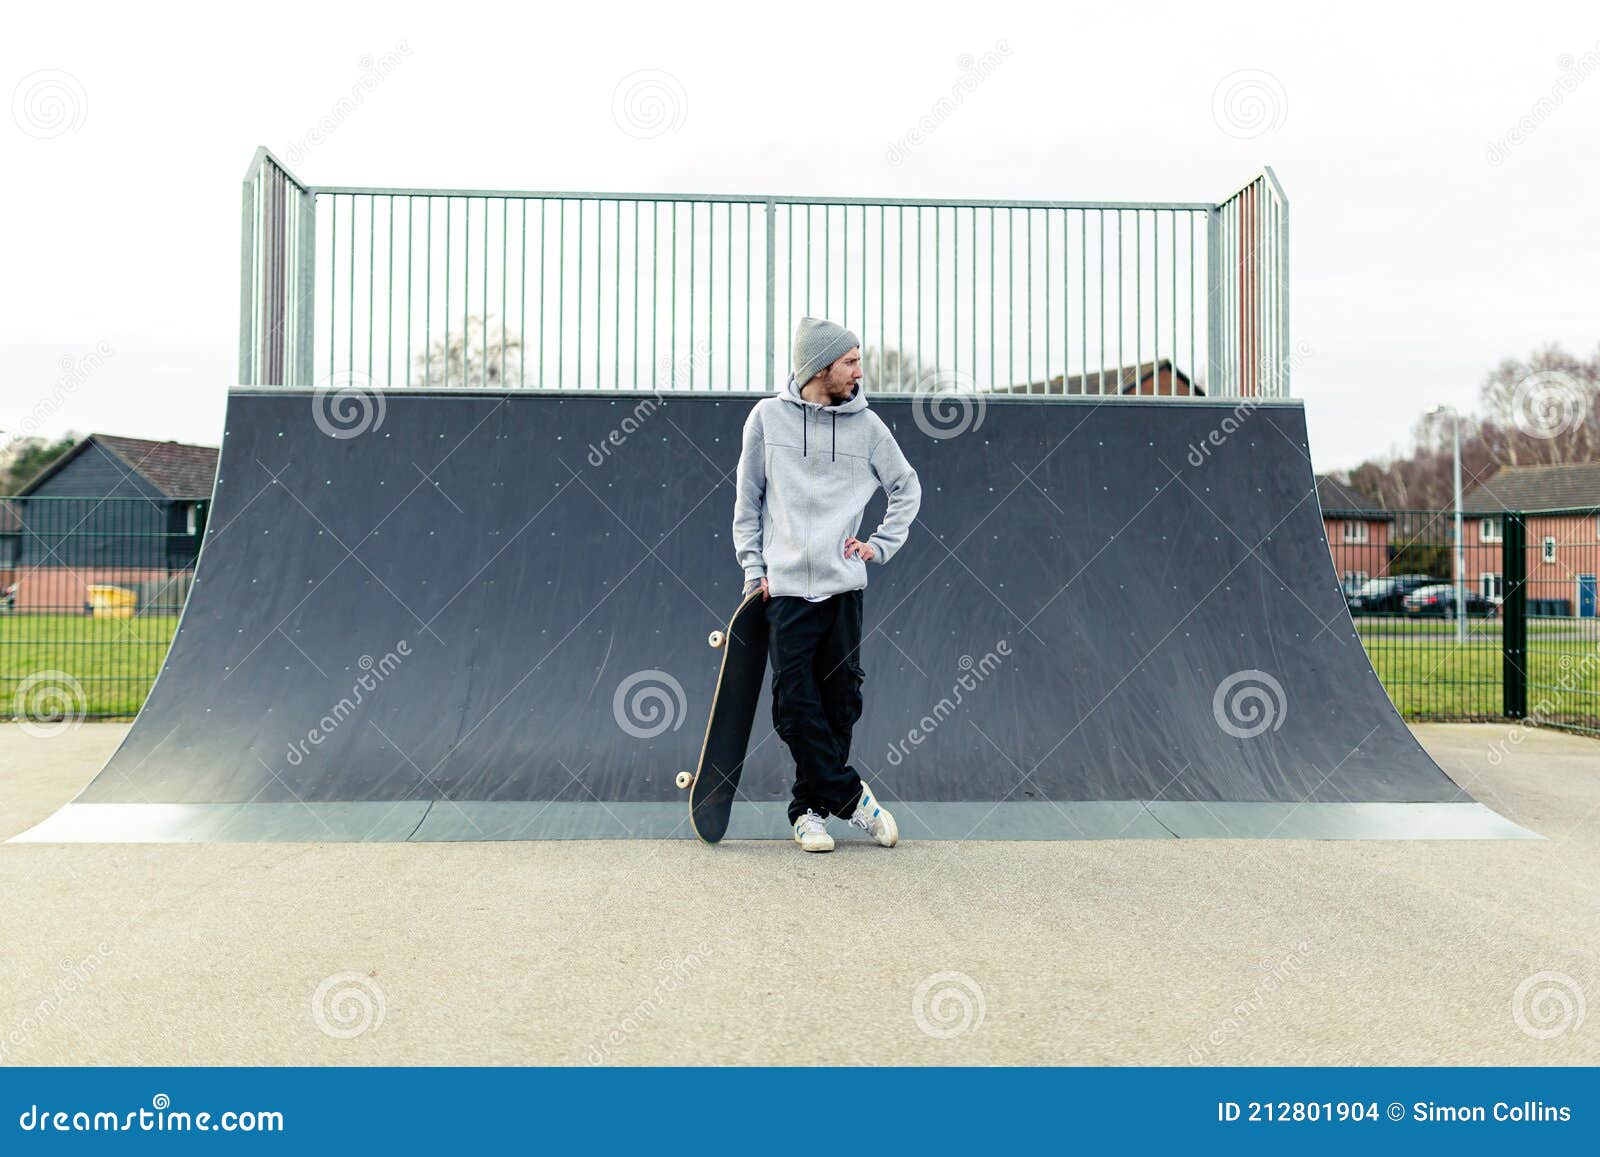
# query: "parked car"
[[1440, 600], [1386, 596]]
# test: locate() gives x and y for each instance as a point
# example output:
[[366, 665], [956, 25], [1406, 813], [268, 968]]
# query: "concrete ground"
[[1122, 952]]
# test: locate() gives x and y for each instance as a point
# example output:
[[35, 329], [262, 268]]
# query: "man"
[[813, 455]]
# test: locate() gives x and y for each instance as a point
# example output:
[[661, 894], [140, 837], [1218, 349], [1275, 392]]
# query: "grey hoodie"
[[806, 473]]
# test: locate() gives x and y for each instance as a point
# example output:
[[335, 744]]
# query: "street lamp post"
[[1461, 563]]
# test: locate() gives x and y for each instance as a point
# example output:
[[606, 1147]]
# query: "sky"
[[1441, 169]]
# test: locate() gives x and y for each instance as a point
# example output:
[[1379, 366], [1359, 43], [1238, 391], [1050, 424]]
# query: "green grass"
[[109, 663]]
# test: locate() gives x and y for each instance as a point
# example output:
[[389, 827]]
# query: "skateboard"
[[715, 780]]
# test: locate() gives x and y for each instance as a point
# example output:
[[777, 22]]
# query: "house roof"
[[176, 469], [1517, 488], [1122, 380], [1336, 498]]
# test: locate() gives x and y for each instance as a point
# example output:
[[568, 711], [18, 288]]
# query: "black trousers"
[[815, 649]]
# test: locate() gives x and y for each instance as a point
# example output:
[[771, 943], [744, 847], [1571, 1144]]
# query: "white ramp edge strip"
[[478, 821]]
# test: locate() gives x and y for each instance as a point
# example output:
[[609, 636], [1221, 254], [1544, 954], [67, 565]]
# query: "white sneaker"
[[811, 833], [874, 819]]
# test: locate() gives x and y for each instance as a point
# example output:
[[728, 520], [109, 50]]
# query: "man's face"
[[840, 379]]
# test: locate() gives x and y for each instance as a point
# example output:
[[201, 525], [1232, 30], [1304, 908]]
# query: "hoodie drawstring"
[[805, 431], [835, 455]]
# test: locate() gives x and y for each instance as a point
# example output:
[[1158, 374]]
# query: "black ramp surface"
[[505, 598]]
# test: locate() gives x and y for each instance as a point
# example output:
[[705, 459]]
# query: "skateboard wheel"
[[684, 780], [716, 638]]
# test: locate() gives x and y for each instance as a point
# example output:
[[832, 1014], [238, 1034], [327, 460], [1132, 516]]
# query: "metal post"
[[772, 294], [1514, 616], [1213, 303], [1461, 561]]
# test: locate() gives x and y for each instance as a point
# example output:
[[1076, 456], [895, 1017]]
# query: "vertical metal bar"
[[544, 228], [1189, 227], [772, 295], [449, 206], [1138, 297], [938, 304], [655, 284], [350, 360], [561, 291], [388, 316], [372, 265], [577, 338], [1121, 302], [918, 267], [505, 270], [1213, 302], [672, 280], [522, 296], [247, 285], [1011, 295], [692, 255], [1083, 290], [827, 259], [427, 306], [973, 234], [633, 378], [616, 302], [305, 325], [1155, 285], [883, 289], [1046, 301], [1027, 325], [1100, 296], [992, 350], [599, 278], [900, 303]]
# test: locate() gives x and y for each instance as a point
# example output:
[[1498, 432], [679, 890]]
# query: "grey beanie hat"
[[817, 345]]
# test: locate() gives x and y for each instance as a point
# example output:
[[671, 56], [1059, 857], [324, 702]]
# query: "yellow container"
[[111, 602]]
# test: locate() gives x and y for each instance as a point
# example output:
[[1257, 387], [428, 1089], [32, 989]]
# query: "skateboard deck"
[[715, 781]]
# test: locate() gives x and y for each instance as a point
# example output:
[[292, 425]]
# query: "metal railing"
[[539, 290]]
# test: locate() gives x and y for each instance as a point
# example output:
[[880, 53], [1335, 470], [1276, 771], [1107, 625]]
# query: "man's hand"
[[855, 548], [760, 582]]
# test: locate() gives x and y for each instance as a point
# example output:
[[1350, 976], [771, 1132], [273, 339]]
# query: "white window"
[[192, 517], [1490, 586], [1355, 532], [1549, 548], [1489, 530], [1354, 578]]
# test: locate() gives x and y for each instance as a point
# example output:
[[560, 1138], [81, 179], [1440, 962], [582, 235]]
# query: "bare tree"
[[483, 356]]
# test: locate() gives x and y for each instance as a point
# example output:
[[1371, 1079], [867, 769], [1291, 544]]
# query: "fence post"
[[1514, 614], [1213, 302], [772, 295], [247, 281]]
